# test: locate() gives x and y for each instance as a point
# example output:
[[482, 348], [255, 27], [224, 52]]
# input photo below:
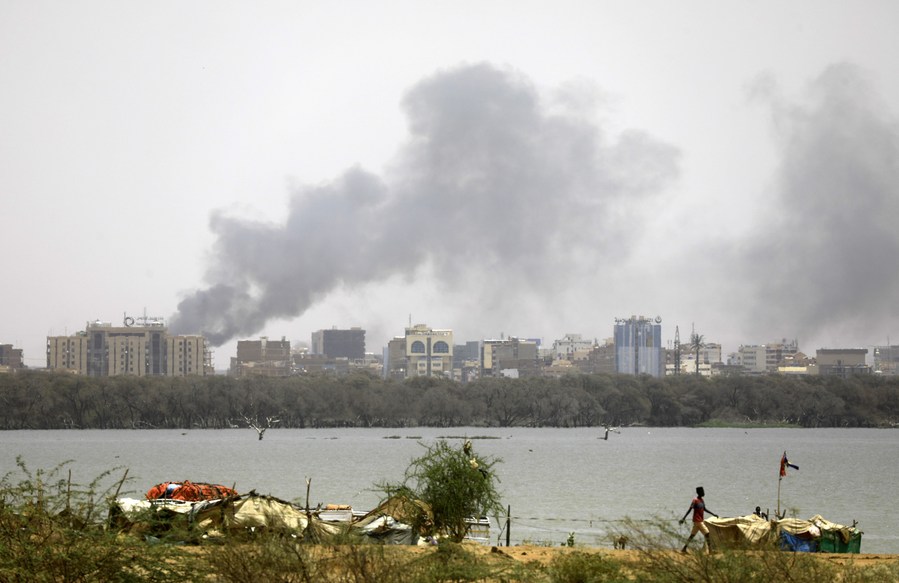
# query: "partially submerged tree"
[[457, 484], [259, 427]]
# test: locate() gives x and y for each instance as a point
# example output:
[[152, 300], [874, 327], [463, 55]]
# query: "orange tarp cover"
[[190, 491]]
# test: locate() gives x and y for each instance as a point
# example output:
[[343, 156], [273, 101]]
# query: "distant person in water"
[[698, 507]]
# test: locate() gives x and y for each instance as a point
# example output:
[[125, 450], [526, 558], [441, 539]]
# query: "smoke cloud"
[[493, 189], [822, 262]]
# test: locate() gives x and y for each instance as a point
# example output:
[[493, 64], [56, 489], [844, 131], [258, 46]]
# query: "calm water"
[[555, 480]]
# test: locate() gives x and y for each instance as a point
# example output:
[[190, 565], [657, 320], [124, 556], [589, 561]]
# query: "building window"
[[441, 347], [418, 347]]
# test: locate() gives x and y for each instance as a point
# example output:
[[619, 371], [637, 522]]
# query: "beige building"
[[429, 352], [263, 357], [841, 362], [421, 352], [139, 347], [767, 358], [182, 352], [68, 353]]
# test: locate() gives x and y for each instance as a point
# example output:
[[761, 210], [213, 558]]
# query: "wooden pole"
[[779, 480], [508, 525]]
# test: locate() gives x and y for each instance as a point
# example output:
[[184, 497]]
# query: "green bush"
[[582, 567], [455, 483], [53, 530]]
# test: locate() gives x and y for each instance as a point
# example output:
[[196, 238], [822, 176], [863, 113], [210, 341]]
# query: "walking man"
[[698, 507]]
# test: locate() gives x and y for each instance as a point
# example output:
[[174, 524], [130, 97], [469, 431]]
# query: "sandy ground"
[[544, 554]]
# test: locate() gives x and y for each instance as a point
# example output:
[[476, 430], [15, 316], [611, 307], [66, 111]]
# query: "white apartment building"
[[570, 346]]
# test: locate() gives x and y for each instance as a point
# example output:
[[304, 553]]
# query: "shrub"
[[455, 483], [582, 567], [53, 530]]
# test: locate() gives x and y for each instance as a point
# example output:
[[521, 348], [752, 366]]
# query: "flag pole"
[[779, 480]]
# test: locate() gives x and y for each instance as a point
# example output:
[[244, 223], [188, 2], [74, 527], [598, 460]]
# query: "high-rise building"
[[336, 343], [509, 357], [638, 346], [139, 347]]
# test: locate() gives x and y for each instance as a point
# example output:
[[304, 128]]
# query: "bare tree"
[[260, 428]]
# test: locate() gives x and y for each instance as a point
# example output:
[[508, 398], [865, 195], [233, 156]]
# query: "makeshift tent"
[[250, 512], [794, 534], [740, 531], [398, 520], [818, 534]]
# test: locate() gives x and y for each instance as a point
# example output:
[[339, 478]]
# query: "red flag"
[[784, 464]]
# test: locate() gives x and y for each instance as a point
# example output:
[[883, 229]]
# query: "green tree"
[[457, 485], [697, 341]]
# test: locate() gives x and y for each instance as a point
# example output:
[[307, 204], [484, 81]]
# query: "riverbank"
[[545, 554], [540, 564]]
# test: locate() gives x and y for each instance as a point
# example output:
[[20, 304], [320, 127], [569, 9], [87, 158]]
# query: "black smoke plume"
[[821, 262], [494, 189]]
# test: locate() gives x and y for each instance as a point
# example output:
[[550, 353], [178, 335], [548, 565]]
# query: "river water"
[[556, 481]]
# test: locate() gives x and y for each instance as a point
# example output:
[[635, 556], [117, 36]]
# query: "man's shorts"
[[699, 527]]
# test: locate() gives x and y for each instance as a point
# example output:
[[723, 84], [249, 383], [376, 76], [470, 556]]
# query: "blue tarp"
[[789, 542]]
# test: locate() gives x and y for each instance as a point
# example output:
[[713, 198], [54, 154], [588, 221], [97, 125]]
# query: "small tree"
[[455, 483], [697, 342]]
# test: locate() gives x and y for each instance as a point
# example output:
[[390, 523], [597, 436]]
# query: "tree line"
[[42, 400]]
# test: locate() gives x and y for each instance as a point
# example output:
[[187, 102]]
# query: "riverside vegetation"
[[43, 400]]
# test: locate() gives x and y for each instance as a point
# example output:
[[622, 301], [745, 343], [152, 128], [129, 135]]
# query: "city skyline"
[[270, 170], [545, 343]]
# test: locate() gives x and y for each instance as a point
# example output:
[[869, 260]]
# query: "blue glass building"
[[638, 346]]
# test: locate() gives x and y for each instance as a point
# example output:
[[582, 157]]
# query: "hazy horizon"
[[250, 170]]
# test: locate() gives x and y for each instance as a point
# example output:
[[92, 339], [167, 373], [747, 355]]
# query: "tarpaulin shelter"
[[818, 534], [396, 521], [794, 534], [740, 531]]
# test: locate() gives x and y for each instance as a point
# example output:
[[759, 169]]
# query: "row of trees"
[[38, 400]]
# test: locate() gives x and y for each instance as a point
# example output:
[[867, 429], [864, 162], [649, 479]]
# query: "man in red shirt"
[[699, 509]]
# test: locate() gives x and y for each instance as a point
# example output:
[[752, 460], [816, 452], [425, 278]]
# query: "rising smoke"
[[494, 190], [822, 264]]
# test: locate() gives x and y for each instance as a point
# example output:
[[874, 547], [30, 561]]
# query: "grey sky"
[[557, 164]]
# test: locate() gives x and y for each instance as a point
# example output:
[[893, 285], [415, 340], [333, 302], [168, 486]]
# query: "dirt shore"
[[545, 554]]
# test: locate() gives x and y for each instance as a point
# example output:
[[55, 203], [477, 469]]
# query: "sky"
[[504, 168]]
